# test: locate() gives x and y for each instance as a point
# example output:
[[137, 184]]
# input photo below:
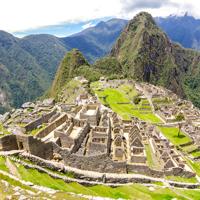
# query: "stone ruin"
[[90, 136]]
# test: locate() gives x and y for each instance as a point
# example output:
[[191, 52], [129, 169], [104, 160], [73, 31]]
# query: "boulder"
[[49, 102], [28, 105]]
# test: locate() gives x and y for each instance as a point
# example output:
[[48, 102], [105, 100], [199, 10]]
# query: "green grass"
[[149, 155], [182, 179], [14, 182], [134, 191], [151, 159], [194, 165], [189, 148], [128, 90], [114, 96], [3, 164], [196, 154], [171, 133], [35, 131]]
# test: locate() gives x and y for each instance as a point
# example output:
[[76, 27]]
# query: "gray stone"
[[22, 197], [5, 117], [49, 102], [28, 105], [16, 130]]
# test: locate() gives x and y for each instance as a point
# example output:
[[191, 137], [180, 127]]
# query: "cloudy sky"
[[21, 16]]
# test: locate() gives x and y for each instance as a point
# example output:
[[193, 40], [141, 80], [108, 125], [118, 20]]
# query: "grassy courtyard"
[[171, 133], [119, 100]]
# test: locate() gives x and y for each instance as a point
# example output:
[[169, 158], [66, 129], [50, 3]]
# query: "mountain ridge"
[[147, 54]]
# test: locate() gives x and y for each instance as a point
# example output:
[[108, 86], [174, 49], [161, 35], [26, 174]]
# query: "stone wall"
[[35, 146], [144, 169], [52, 126], [8, 143], [79, 140], [43, 119], [28, 143], [138, 159], [100, 163]]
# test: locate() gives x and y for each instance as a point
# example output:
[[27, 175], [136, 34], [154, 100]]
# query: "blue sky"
[[64, 17], [61, 30]]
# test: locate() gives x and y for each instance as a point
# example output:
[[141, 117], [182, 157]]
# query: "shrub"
[[180, 117], [136, 100]]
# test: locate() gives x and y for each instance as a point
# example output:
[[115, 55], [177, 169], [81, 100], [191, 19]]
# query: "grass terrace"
[[119, 101], [195, 154], [182, 179], [35, 131], [133, 191], [194, 165], [171, 133]]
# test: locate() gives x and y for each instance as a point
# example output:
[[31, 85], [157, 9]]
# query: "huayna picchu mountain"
[[147, 54]]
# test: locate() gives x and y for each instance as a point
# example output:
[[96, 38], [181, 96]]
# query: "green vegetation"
[[71, 62], [90, 73], [149, 155], [119, 101], [109, 67], [180, 117], [196, 154], [194, 165], [151, 159], [182, 179], [171, 133], [2, 164], [136, 100], [3, 130], [135, 191], [37, 130], [189, 148], [70, 91]]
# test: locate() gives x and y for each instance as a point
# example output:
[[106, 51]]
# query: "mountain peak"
[[71, 61]]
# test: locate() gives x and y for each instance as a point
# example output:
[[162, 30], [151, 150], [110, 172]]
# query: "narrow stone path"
[[12, 168]]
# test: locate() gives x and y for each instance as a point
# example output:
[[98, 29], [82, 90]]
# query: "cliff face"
[[146, 54]]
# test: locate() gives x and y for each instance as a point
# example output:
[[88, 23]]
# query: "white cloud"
[[88, 25], [17, 15]]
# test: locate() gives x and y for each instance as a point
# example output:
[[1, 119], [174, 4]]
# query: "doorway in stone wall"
[[20, 145]]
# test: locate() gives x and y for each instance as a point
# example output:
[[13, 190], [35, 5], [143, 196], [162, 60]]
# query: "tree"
[[179, 129], [136, 100]]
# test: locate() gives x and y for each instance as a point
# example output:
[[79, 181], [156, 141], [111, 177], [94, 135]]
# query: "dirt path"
[[12, 168]]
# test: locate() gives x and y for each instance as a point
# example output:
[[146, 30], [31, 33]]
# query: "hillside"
[[146, 54], [96, 41], [28, 65], [72, 61], [22, 79]]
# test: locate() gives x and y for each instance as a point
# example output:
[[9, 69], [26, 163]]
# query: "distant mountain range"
[[143, 52], [28, 65], [182, 29]]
